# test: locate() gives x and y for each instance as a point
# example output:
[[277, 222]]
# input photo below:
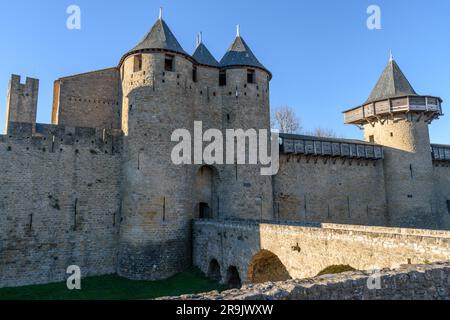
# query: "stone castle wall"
[[59, 203], [441, 178], [409, 282], [90, 100], [324, 189]]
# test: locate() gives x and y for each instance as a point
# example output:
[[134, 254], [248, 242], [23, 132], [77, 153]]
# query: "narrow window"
[[222, 78], [194, 74], [371, 139], [168, 65], [137, 63], [448, 206], [251, 76]]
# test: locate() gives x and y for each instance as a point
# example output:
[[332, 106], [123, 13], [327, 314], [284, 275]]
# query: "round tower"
[[244, 86], [156, 198], [396, 117]]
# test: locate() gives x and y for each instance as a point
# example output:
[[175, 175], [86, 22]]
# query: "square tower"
[[21, 104]]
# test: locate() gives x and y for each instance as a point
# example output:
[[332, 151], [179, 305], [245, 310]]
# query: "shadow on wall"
[[265, 266]]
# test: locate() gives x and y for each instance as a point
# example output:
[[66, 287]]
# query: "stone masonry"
[[240, 248], [409, 282], [97, 188]]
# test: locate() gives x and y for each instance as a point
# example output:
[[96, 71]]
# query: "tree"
[[324, 133], [285, 120]]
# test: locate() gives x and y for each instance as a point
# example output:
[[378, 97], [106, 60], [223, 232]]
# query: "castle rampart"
[[59, 204]]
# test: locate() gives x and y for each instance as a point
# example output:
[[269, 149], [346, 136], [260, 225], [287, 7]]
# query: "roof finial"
[[160, 13], [391, 56], [238, 31], [199, 38]]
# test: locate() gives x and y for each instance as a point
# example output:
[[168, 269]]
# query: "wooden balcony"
[[431, 106]]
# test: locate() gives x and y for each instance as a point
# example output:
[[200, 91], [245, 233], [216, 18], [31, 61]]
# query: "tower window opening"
[[137, 63], [168, 64], [371, 139], [448, 206], [392, 134], [251, 76], [194, 74], [222, 78]]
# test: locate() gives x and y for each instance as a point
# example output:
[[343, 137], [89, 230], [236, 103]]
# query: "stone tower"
[[396, 117], [156, 200], [21, 105], [245, 101], [165, 89]]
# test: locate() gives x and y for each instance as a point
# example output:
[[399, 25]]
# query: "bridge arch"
[[233, 280], [214, 271], [265, 266]]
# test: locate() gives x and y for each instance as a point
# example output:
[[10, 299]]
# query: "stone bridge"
[[242, 252]]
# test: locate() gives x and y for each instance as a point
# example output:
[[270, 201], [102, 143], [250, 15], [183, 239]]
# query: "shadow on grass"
[[114, 287]]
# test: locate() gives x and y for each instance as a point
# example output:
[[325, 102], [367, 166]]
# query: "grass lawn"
[[115, 288]]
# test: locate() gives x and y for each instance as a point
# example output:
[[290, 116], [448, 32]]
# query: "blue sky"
[[323, 57]]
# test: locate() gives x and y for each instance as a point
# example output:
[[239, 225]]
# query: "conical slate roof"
[[160, 37], [239, 54], [203, 56], [392, 83]]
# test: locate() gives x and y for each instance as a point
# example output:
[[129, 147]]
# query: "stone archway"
[[265, 266], [233, 278], [214, 271], [205, 192]]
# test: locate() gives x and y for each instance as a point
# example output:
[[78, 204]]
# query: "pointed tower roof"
[[160, 37], [392, 83], [240, 54], [203, 56]]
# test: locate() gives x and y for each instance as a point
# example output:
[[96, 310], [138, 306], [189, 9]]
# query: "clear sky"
[[323, 56]]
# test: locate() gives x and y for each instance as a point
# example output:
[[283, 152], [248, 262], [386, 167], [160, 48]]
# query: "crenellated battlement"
[[21, 105], [54, 138]]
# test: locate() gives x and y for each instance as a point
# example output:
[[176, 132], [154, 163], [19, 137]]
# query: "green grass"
[[116, 288], [336, 270]]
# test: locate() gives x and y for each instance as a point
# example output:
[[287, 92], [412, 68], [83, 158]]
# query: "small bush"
[[336, 270]]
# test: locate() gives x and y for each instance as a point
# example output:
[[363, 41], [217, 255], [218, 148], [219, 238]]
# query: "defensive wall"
[[59, 203]]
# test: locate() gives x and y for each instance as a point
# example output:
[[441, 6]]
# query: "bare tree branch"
[[285, 120]]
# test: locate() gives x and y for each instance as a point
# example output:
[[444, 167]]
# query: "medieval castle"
[[97, 187]]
